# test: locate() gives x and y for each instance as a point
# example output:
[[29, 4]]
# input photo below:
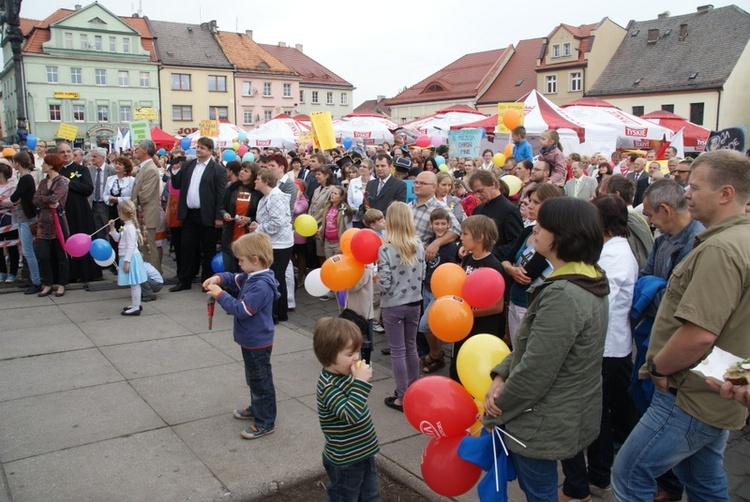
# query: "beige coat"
[[147, 193]]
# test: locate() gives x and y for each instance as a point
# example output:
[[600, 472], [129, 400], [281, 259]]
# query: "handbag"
[[361, 322]]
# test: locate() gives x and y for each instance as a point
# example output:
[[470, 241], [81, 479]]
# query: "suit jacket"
[[394, 189], [631, 176], [107, 171], [147, 192], [640, 189], [587, 191], [212, 187]]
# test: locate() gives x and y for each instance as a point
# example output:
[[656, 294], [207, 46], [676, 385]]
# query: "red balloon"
[[444, 471], [364, 246], [483, 288], [423, 141], [438, 406]]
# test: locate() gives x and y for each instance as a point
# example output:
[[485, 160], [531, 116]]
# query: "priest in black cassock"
[[79, 214]]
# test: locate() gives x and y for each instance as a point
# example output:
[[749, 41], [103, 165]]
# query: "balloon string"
[[494, 457], [514, 439], [105, 226]]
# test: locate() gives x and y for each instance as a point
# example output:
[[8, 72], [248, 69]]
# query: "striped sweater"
[[345, 418]]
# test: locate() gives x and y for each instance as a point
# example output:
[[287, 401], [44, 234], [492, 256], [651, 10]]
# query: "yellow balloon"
[[499, 159], [235, 146], [305, 225], [513, 182], [478, 355]]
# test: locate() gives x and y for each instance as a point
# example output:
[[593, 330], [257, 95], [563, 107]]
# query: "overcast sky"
[[382, 47]]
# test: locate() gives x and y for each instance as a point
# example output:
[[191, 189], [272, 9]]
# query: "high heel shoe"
[[44, 293], [59, 293]]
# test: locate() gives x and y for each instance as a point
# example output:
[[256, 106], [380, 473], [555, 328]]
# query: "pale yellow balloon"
[[478, 355], [514, 184]]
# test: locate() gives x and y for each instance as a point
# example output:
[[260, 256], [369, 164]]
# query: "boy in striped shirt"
[[342, 391]]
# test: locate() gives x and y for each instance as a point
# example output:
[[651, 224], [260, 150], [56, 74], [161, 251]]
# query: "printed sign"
[[464, 143], [143, 113], [323, 126], [731, 138], [501, 107], [139, 130], [209, 128], [66, 95], [67, 131]]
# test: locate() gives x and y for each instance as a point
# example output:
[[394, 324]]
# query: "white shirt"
[[193, 195], [621, 267]]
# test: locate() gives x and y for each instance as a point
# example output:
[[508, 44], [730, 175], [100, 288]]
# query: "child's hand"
[[361, 371], [213, 280], [126, 267], [111, 224], [213, 290]]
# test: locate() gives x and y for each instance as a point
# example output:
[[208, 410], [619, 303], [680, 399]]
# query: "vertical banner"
[[140, 130], [501, 109], [464, 143], [323, 126]]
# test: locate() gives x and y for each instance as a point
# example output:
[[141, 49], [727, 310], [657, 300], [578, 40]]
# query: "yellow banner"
[[144, 113], [209, 128], [322, 123], [305, 137], [66, 95], [67, 131], [501, 107]]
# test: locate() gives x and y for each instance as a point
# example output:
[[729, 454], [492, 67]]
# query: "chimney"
[[704, 8], [282, 44], [381, 97], [298, 47], [213, 27], [663, 15], [77, 6], [683, 32], [249, 34], [653, 35]]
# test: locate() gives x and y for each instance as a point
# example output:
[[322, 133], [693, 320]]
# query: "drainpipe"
[[718, 107]]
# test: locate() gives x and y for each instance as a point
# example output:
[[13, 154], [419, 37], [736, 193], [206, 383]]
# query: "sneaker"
[[11, 278], [3, 276], [377, 328], [246, 414], [253, 432], [324, 298]]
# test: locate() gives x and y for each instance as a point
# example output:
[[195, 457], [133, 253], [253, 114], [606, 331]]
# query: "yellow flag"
[[323, 126]]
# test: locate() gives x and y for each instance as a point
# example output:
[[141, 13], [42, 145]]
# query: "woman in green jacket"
[[547, 393]]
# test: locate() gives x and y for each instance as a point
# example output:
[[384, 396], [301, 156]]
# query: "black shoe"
[[124, 309], [33, 289], [385, 352], [126, 313], [148, 298], [179, 287]]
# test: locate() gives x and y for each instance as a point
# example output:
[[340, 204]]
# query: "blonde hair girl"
[[131, 271], [399, 227]]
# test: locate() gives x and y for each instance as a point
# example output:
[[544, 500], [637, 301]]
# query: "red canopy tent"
[[694, 137], [162, 139]]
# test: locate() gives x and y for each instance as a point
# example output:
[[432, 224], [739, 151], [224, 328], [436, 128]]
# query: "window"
[[551, 87], [101, 77], [76, 76], [54, 113], [247, 88], [112, 44], [123, 78], [68, 40], [435, 88], [102, 113], [287, 92], [315, 97], [576, 81], [223, 112], [566, 49], [180, 82], [696, 113], [84, 42], [52, 74], [301, 96], [344, 99], [78, 113], [329, 98], [668, 108], [98, 42], [267, 89], [217, 83], [145, 78], [126, 45], [267, 115], [556, 51], [247, 117], [638, 111], [125, 114], [182, 112]]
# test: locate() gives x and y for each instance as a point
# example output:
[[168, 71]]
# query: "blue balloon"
[[347, 142], [242, 136], [185, 143], [100, 249], [217, 263], [161, 152], [248, 157], [190, 152], [31, 141], [229, 155], [440, 160]]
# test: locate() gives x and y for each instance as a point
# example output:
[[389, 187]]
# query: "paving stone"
[[23, 342], [133, 329]]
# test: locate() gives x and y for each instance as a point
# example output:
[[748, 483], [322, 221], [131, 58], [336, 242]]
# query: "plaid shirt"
[[422, 219]]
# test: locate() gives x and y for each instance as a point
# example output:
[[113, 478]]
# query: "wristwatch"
[[652, 369]]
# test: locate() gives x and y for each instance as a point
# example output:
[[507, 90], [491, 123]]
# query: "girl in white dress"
[[131, 270]]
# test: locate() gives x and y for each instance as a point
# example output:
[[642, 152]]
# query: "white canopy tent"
[[281, 131], [228, 133], [440, 122], [373, 128]]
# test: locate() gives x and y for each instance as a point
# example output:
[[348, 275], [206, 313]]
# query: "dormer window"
[[435, 88], [566, 49]]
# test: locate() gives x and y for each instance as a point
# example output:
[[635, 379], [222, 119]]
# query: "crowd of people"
[[604, 321]]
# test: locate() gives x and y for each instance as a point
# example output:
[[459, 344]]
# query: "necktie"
[[381, 184], [98, 189]]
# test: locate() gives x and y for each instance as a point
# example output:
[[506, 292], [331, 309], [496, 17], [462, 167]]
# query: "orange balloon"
[[508, 150], [511, 118], [447, 280], [450, 318], [340, 272], [345, 241]]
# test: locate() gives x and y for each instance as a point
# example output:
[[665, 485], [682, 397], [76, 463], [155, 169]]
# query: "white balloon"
[[314, 285], [106, 263]]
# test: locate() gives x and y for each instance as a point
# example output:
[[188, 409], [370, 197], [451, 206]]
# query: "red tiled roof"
[[27, 25], [147, 38], [460, 79], [373, 105], [311, 71], [40, 30], [580, 31], [243, 52], [521, 67]]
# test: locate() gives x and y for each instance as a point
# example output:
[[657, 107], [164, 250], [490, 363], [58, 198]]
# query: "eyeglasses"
[[423, 183], [682, 170]]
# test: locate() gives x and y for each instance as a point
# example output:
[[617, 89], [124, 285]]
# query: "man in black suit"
[[385, 188], [202, 183]]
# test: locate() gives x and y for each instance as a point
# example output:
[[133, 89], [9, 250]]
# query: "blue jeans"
[[537, 478], [262, 392], [400, 325], [667, 437], [357, 482], [27, 247], [427, 299]]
